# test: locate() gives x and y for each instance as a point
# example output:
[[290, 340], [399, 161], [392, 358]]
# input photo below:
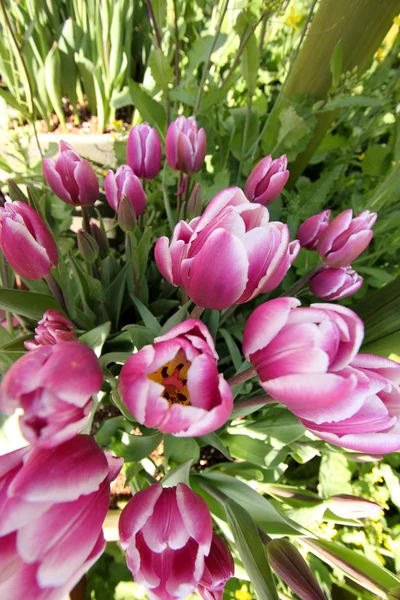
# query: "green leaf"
[[350, 101], [200, 50], [212, 439], [150, 110], [96, 337], [250, 60], [180, 474], [161, 69], [114, 296], [108, 430], [252, 551], [336, 64], [27, 304], [52, 67], [176, 318], [11, 101], [334, 475], [133, 448], [233, 349], [377, 160], [148, 318], [140, 336], [294, 133], [180, 450]]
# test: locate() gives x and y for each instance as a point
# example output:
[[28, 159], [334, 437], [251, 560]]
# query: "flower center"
[[173, 376]]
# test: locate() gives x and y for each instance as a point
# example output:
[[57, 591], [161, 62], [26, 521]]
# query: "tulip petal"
[[87, 182], [55, 182], [137, 512], [195, 515]]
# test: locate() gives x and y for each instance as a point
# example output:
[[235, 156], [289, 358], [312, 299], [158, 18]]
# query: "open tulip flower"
[[53, 328], [71, 177], [174, 385], [229, 255], [26, 242], [167, 533], [53, 385], [53, 504]]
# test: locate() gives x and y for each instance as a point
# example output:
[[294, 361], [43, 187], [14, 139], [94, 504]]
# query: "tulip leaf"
[[108, 429], [133, 448], [233, 349], [96, 337], [212, 439], [161, 69], [150, 110], [114, 296], [180, 450], [251, 550], [148, 318], [27, 304], [176, 318], [180, 474]]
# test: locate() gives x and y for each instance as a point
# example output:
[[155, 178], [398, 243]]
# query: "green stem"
[[242, 377], [196, 312], [167, 205], [186, 197], [56, 291], [303, 281], [86, 220]]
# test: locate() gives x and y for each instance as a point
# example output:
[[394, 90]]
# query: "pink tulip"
[[71, 177], [267, 180], [301, 355], [218, 568], [229, 255], [167, 533], [371, 424], [185, 145], [346, 238], [52, 328], [143, 151], [26, 242], [124, 183], [335, 284], [311, 230], [174, 385], [54, 386], [53, 504]]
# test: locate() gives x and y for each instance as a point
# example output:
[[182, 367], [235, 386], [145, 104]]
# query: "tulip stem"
[[186, 197], [302, 282], [242, 377], [86, 220], [56, 291], [196, 312]]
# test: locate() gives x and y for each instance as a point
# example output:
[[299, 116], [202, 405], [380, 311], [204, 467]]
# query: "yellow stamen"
[[173, 376]]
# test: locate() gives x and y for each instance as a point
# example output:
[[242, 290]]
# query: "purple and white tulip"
[[334, 284], [267, 180], [218, 568], [185, 145], [167, 533], [229, 255], [26, 242], [71, 177], [174, 385], [53, 385], [53, 504], [53, 328], [143, 151], [311, 230], [124, 182]]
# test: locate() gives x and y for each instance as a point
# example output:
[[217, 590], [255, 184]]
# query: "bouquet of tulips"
[[192, 350]]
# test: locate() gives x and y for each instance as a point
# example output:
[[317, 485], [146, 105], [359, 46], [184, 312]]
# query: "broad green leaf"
[[233, 349], [176, 318], [150, 110], [336, 64], [250, 59], [199, 51], [133, 448], [251, 549], [161, 69], [27, 304], [96, 337], [212, 439], [140, 336], [278, 424], [334, 475], [114, 296], [180, 474], [109, 429], [377, 160], [180, 450], [148, 318]]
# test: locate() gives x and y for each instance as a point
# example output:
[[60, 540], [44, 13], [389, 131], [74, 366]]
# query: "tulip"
[[311, 230], [53, 506], [371, 425], [335, 284], [87, 245], [346, 238], [288, 563], [26, 242], [351, 507], [218, 568], [126, 215], [229, 255], [53, 385], [174, 385], [267, 180], [53, 328], [124, 183], [301, 355], [185, 145], [71, 177], [167, 533], [143, 151], [100, 238]]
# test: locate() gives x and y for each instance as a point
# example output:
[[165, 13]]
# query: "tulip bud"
[[26, 242], [218, 568], [143, 151], [126, 215], [194, 204], [334, 284], [124, 183], [346, 238], [352, 507], [288, 563], [88, 246], [267, 180], [100, 238], [311, 230], [71, 177], [185, 145]]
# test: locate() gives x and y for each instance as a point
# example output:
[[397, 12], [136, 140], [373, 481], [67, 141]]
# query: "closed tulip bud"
[[334, 284], [185, 145], [346, 237], [53, 385], [267, 180], [52, 329], [143, 151], [26, 242], [88, 246], [194, 204], [311, 230], [352, 507], [101, 239], [71, 177], [167, 533], [218, 568], [51, 516], [124, 183], [126, 215], [288, 563]]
